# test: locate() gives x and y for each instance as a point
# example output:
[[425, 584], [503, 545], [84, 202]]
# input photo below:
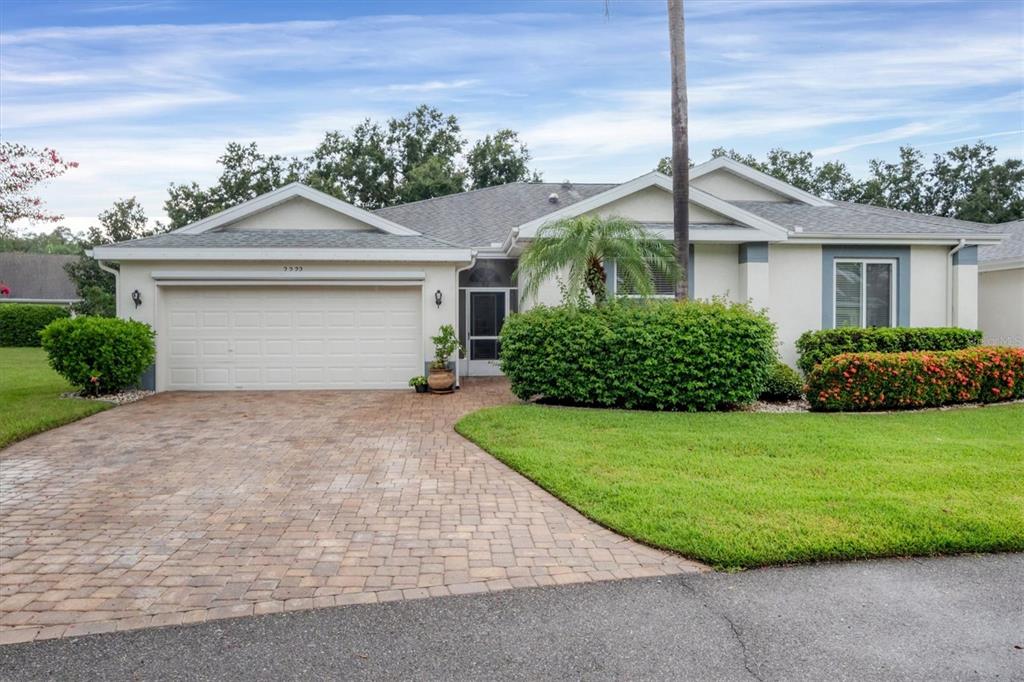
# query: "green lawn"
[[744, 489], [30, 399]]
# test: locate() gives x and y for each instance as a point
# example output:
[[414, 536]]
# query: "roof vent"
[[566, 184], [553, 198], [798, 228]]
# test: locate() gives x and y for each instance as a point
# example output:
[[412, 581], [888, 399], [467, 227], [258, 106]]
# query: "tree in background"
[[417, 156], [965, 183], [22, 168], [498, 160], [61, 241], [124, 221]]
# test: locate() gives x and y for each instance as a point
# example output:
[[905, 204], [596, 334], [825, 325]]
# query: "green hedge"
[[885, 381], [99, 354], [815, 346], [783, 383], [20, 323], [662, 355]]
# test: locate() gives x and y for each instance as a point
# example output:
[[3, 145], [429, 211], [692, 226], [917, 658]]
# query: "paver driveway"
[[191, 506]]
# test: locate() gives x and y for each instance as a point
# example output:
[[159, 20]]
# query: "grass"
[[739, 490], [30, 399]]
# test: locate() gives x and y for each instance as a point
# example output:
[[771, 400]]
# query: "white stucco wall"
[[730, 187], [716, 271], [928, 290], [299, 214], [654, 205], [438, 276], [1001, 306], [795, 297]]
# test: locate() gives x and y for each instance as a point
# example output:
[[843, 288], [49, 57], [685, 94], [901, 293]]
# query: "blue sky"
[[145, 92]]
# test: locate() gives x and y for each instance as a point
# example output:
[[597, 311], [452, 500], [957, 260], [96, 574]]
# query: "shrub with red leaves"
[[893, 381]]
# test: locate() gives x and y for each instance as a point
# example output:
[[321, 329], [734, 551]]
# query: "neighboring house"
[[35, 278], [297, 289], [1001, 287]]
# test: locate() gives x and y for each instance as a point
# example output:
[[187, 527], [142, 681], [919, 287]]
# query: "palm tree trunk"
[[680, 147]]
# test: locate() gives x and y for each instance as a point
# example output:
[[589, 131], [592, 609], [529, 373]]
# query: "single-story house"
[[36, 278], [297, 289], [1001, 287]]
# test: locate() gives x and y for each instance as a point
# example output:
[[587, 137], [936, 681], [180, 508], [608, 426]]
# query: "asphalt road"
[[942, 618]]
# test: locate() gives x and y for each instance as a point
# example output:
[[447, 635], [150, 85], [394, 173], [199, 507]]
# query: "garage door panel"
[[223, 338]]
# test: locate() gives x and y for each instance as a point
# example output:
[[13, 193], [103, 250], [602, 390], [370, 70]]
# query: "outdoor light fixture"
[[136, 298], [438, 297]]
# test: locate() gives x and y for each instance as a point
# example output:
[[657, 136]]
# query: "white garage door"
[[226, 338]]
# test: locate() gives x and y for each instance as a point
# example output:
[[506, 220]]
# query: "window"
[[865, 293], [663, 286]]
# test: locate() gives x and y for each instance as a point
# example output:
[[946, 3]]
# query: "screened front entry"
[[487, 311]]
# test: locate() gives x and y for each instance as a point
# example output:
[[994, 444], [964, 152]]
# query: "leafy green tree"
[[580, 247], [499, 159], [124, 221], [358, 168], [247, 173], [432, 177], [902, 185], [60, 241], [967, 183]]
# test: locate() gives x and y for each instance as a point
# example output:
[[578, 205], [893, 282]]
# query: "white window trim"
[[863, 262]]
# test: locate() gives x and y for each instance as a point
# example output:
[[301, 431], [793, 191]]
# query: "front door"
[[487, 311]]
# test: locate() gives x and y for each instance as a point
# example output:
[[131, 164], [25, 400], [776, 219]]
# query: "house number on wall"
[[292, 268]]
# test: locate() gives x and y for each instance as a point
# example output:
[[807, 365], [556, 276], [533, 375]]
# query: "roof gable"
[[733, 181], [293, 200], [711, 209]]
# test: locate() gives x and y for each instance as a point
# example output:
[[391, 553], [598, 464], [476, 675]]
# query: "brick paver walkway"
[[192, 506]]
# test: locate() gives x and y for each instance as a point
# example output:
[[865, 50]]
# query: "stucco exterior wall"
[[725, 185], [654, 205], [928, 291], [795, 300], [716, 271], [1001, 306], [438, 276], [299, 214]]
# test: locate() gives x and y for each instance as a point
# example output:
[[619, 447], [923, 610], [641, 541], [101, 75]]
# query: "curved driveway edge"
[[187, 507]]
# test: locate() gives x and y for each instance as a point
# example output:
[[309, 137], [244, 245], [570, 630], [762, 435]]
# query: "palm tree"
[[583, 245], [680, 145]]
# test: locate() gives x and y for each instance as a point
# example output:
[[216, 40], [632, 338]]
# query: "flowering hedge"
[[886, 381], [815, 346]]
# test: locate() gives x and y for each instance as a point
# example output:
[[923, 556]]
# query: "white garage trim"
[[286, 277], [128, 254], [225, 337]]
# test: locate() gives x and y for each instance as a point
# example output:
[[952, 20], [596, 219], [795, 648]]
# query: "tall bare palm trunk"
[[680, 147]]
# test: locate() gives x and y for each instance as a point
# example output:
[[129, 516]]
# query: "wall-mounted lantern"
[[438, 298], [136, 298]]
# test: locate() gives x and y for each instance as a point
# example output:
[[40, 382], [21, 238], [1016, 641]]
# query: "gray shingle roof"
[[849, 218], [37, 276], [1011, 248], [286, 239], [486, 216]]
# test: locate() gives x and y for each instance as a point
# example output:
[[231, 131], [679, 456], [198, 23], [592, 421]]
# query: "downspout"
[[950, 307], [458, 301], [117, 280]]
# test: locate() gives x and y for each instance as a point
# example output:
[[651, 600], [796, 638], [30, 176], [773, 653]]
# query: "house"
[[1001, 288], [36, 278], [297, 289]]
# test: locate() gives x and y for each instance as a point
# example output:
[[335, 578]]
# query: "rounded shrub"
[[887, 381], [20, 323], [816, 346], [99, 354], [695, 355], [784, 383]]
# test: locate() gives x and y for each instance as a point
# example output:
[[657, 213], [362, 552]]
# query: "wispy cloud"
[[144, 103]]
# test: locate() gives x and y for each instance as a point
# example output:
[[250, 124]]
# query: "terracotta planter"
[[441, 380]]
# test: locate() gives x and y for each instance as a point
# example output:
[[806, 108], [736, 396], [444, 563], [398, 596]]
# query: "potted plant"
[[419, 383], [442, 379]]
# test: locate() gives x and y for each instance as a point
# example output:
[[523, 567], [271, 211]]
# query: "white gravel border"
[[122, 398]]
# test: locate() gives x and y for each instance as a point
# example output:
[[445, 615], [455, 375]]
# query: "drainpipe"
[[117, 280], [950, 293], [458, 300]]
